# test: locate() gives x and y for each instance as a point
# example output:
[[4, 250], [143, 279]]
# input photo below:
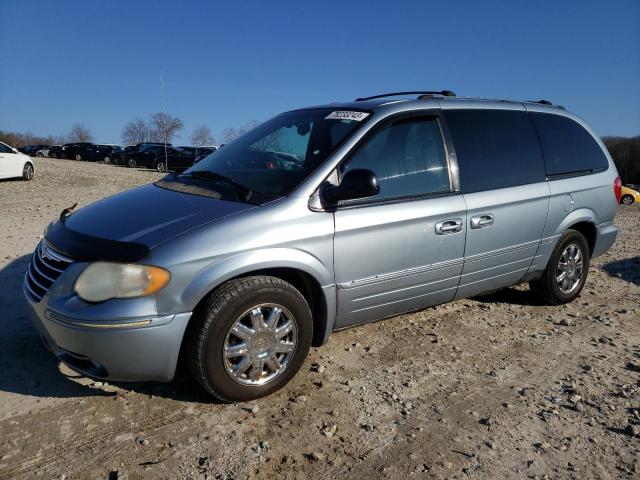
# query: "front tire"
[[249, 338], [132, 163], [627, 200], [107, 160], [78, 157], [566, 272], [27, 172], [161, 167]]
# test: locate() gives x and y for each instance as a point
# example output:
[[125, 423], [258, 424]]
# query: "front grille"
[[45, 267]]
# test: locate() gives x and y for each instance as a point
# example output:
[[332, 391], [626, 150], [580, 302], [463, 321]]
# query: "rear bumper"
[[607, 234], [132, 349]]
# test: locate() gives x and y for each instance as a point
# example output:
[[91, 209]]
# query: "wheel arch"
[[305, 272], [585, 221]]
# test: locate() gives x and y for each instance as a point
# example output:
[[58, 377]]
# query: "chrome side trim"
[[69, 322], [407, 288], [501, 251], [401, 273], [404, 299]]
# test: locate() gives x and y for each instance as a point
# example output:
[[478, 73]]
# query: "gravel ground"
[[492, 387]]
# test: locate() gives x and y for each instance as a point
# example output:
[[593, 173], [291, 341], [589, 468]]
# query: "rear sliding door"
[[503, 182]]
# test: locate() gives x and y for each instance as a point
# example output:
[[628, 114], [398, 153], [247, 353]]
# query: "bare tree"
[[135, 131], [234, 132], [229, 134], [79, 133], [164, 127], [202, 136]]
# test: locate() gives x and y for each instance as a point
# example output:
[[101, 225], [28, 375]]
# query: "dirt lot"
[[493, 387]]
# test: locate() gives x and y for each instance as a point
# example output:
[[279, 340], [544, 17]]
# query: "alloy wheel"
[[260, 344], [570, 269], [28, 172]]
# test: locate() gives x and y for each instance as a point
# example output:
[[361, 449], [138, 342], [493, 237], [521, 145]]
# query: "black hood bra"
[[83, 247]]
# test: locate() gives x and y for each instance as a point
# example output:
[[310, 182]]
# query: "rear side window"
[[495, 149], [407, 156], [567, 147]]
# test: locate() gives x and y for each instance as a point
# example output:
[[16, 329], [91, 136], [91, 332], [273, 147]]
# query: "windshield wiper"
[[243, 190]]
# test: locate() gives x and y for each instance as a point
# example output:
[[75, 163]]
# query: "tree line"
[[626, 155], [164, 127], [159, 127]]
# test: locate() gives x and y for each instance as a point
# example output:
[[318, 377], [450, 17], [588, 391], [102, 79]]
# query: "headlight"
[[101, 281]]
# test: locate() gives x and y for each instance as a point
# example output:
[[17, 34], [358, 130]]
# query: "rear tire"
[[627, 200], [268, 361], [107, 160], [570, 256], [132, 163], [161, 167], [78, 157]]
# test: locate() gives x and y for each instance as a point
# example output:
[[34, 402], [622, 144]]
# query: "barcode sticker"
[[346, 115]]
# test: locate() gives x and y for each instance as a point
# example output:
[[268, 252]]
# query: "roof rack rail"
[[444, 93], [546, 102]]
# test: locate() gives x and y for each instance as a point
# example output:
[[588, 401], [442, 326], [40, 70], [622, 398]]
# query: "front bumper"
[[132, 349]]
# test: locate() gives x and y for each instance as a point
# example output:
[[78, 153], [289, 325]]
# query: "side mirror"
[[15, 150], [358, 183]]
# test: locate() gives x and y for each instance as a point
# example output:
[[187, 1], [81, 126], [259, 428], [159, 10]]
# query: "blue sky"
[[98, 62]]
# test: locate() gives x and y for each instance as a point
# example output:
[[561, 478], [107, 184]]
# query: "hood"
[[149, 215]]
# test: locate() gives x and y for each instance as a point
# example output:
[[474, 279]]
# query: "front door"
[[8, 162], [401, 250]]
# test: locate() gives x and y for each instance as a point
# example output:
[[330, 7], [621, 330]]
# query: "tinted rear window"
[[495, 149], [567, 146]]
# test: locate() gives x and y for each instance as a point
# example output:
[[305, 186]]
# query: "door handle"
[[449, 226], [481, 221]]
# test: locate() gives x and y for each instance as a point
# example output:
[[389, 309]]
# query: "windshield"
[[275, 157]]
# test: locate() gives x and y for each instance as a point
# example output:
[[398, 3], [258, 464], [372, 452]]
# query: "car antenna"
[[164, 120]]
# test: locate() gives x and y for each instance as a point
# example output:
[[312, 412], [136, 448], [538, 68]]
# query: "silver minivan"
[[320, 219]]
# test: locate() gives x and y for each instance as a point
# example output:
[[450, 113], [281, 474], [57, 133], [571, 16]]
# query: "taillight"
[[617, 188]]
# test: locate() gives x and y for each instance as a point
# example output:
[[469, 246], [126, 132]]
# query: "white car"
[[14, 164]]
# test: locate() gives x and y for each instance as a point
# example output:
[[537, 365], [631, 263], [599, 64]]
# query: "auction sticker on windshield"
[[346, 115]]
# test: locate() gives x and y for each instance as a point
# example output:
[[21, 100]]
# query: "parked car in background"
[[148, 156], [31, 150], [54, 151], [15, 164], [44, 152], [629, 196], [75, 151], [391, 207], [105, 152], [119, 154], [189, 157], [93, 152]]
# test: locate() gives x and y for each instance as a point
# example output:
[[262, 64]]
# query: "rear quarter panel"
[[585, 198]]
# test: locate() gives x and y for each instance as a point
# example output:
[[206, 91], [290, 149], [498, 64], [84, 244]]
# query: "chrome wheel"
[[27, 173], [570, 269], [260, 344]]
